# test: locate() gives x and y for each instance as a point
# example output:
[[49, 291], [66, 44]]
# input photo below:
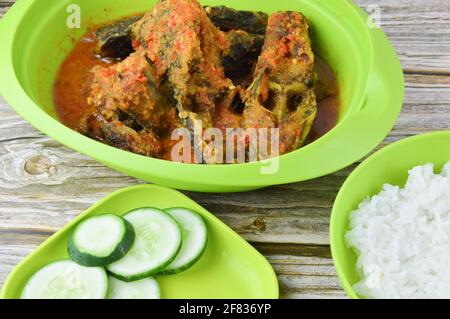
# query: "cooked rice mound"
[[402, 238]]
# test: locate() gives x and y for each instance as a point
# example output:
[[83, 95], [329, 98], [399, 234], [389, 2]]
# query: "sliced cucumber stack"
[[194, 238], [142, 243], [146, 288], [66, 279], [101, 240], [158, 241]]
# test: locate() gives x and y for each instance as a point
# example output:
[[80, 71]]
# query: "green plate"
[[229, 268], [35, 39], [389, 165]]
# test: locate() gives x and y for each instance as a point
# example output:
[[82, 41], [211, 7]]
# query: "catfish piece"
[[129, 87], [242, 55], [114, 40], [127, 111], [283, 90], [186, 50], [227, 19], [287, 53]]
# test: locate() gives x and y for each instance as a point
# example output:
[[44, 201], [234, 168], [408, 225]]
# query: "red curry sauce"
[[70, 90]]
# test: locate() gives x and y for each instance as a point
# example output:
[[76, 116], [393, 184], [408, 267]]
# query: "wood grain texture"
[[43, 185], [419, 30]]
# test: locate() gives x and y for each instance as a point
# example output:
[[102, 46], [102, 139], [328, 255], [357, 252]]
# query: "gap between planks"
[[426, 72]]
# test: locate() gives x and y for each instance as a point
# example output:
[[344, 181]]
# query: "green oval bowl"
[[35, 40], [229, 267], [389, 165]]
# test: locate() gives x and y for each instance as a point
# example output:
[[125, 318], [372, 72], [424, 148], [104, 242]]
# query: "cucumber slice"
[[158, 240], [194, 234], [101, 240], [146, 288], [66, 279]]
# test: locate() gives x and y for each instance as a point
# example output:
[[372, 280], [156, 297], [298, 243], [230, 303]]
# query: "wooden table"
[[43, 184]]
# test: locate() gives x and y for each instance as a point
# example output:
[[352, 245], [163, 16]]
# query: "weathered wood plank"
[[10, 256], [419, 30], [306, 277], [298, 276]]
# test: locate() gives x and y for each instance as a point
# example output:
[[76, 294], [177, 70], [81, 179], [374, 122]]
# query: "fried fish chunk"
[[283, 90], [126, 106], [186, 50], [184, 70]]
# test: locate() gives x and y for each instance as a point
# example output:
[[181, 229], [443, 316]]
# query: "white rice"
[[402, 238]]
